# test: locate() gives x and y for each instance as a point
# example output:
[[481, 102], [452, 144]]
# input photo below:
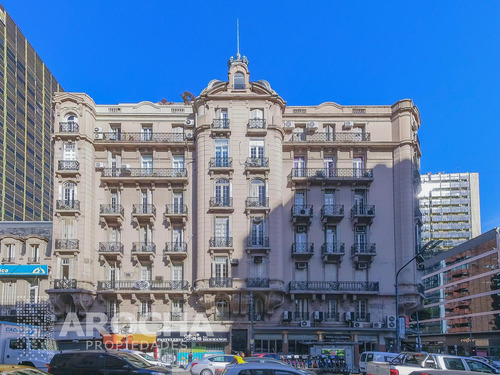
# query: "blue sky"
[[444, 55]]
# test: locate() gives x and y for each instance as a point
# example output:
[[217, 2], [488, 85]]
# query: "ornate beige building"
[[236, 201]]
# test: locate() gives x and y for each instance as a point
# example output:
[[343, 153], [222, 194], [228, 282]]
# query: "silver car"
[[212, 364], [266, 368]]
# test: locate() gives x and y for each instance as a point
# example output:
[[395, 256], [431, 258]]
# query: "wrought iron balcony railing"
[[363, 210], [256, 241], [300, 210], [111, 209], [302, 248], [333, 248], [258, 282], [300, 315], [9, 260], [68, 244], [176, 316], [221, 282], [364, 317], [331, 316], [257, 317], [111, 247], [331, 137], [221, 162], [363, 248], [218, 316], [331, 173], [221, 202], [335, 286], [220, 123], [144, 172], [68, 165], [142, 137], [142, 285], [257, 202], [34, 260], [257, 162], [68, 205], [143, 247], [65, 283], [176, 209], [329, 210], [256, 123], [143, 209], [176, 247], [221, 242], [68, 127]]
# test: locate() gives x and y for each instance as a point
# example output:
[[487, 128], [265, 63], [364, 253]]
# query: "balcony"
[[332, 252], [257, 317], [111, 213], [110, 250], [221, 204], [67, 246], [332, 176], [144, 250], [144, 212], [68, 167], [67, 207], [256, 126], [221, 165], [125, 138], [362, 214], [69, 128], [130, 175], [144, 285], [302, 250], [255, 204], [175, 250], [302, 213], [220, 282], [328, 138], [362, 254], [257, 165], [299, 316], [221, 126], [334, 287], [358, 317], [177, 316], [221, 316], [9, 260], [65, 283], [258, 244], [258, 282], [331, 316], [332, 213], [221, 244], [176, 213]]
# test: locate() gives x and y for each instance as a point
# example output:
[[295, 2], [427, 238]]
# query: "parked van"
[[381, 357]]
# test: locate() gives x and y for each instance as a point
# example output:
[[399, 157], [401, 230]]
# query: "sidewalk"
[[179, 371]]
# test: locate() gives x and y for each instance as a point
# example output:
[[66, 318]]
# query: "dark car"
[[102, 363]]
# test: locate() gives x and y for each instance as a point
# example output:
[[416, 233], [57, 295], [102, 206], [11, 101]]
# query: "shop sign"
[[368, 338], [333, 337], [23, 270], [199, 337]]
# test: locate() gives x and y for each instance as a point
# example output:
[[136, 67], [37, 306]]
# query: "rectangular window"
[[112, 308], [11, 253], [257, 232], [178, 162], [220, 267], [301, 309], [177, 272], [361, 310], [358, 166], [69, 151], [329, 166], [256, 149], [9, 293], [177, 309], [68, 229], [331, 309], [147, 133], [221, 153], [146, 272], [145, 308], [222, 228], [147, 163], [35, 253], [178, 202], [299, 166], [65, 268], [177, 238]]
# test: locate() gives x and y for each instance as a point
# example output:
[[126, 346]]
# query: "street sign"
[[23, 270]]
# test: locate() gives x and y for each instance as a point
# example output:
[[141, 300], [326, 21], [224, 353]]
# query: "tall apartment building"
[[449, 203], [462, 303], [26, 120], [236, 202]]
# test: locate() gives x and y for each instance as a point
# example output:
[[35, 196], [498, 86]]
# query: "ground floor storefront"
[[482, 344]]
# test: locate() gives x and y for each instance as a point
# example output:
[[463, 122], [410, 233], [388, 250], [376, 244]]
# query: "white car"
[[147, 357], [211, 365]]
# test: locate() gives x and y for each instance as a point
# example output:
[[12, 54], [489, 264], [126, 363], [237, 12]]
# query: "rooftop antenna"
[[238, 56]]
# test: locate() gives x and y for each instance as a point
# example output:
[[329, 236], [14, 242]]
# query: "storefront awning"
[[133, 338]]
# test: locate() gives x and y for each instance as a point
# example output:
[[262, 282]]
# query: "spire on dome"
[[243, 59]]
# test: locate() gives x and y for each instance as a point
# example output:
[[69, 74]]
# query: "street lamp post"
[[429, 245]]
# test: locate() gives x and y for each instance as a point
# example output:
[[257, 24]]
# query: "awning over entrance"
[[118, 339]]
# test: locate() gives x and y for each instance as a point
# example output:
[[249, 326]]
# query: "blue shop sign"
[[23, 270]]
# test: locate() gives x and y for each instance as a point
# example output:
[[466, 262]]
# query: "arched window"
[[72, 119], [239, 81], [258, 193], [222, 192], [69, 192], [222, 309], [71, 123], [258, 309]]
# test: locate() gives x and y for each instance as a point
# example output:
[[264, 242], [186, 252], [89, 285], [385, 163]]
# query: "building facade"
[[462, 303], [281, 227], [26, 120], [449, 203]]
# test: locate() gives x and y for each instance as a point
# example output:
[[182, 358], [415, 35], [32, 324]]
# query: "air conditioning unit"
[[301, 265], [318, 316], [189, 122], [377, 325], [287, 316], [301, 228], [257, 259], [348, 316], [348, 125], [98, 136], [235, 262], [303, 211], [312, 125], [189, 136], [357, 324], [97, 129], [361, 266], [305, 323], [390, 321], [289, 124], [99, 165]]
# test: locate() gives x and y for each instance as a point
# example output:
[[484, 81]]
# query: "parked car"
[[380, 357], [441, 372], [102, 362], [263, 360], [19, 370], [495, 360], [147, 357], [211, 364], [262, 368], [267, 355]]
